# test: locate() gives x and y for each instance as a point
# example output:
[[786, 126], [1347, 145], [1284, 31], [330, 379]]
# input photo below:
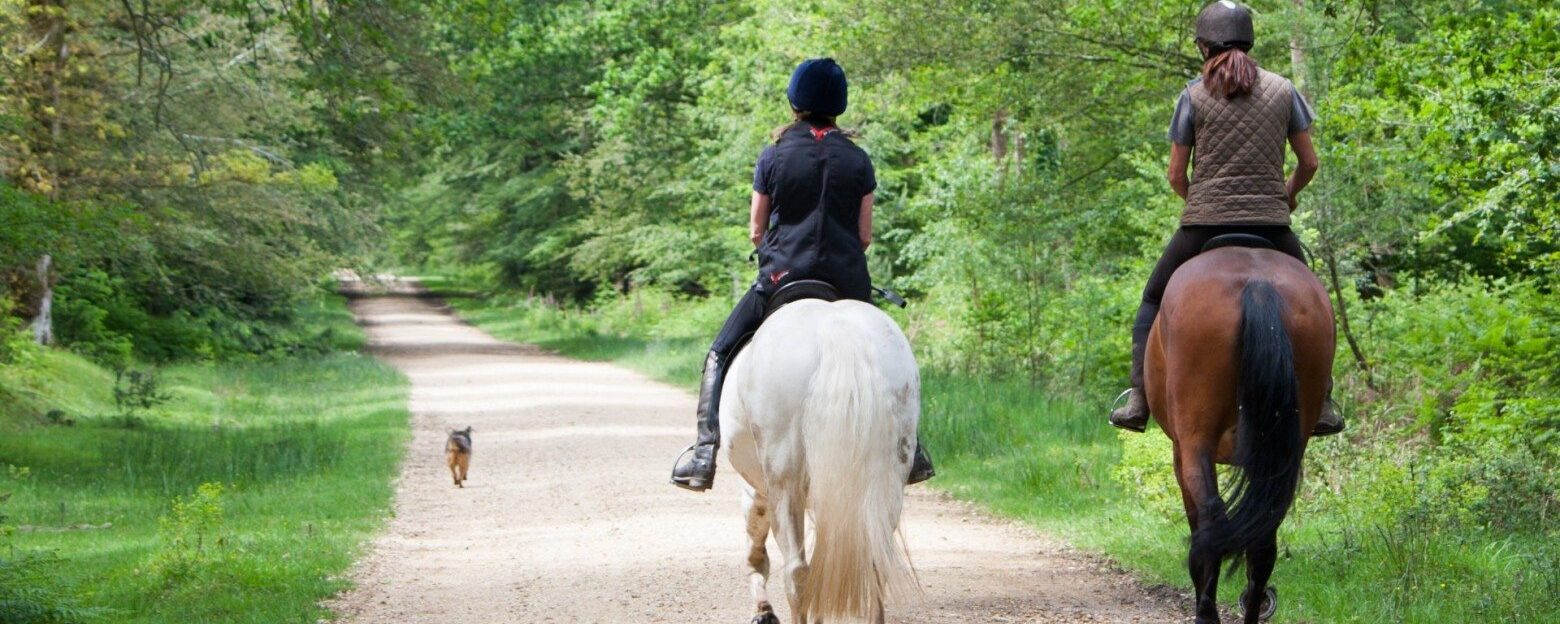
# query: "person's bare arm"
[[865, 222], [758, 218], [1179, 156], [1300, 142]]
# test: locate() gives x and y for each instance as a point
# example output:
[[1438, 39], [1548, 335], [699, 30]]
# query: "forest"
[[179, 179]]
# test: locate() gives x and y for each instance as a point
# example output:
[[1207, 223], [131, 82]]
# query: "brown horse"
[[1238, 366]]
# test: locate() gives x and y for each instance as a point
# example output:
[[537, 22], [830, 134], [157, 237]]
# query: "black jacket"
[[815, 179]]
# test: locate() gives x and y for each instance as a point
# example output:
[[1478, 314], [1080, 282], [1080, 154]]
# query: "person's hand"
[[1294, 201], [757, 238]]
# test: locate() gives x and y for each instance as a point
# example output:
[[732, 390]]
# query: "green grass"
[[1050, 462], [304, 449]]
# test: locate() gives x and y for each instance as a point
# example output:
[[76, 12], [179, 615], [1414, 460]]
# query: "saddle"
[[1237, 240], [807, 289], [799, 290]]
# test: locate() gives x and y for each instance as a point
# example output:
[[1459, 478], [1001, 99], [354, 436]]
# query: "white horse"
[[819, 415]]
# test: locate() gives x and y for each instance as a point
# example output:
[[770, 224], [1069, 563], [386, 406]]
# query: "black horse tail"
[[1268, 442]]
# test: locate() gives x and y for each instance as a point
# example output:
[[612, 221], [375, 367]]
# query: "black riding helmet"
[[818, 86], [1224, 25]]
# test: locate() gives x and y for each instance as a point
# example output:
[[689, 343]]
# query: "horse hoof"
[[1269, 603], [767, 617]]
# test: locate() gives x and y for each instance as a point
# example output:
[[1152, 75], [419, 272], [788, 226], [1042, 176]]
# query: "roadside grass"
[[301, 451], [1054, 464]]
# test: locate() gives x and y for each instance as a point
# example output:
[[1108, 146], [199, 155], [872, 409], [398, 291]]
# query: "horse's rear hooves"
[[1269, 603], [767, 617]]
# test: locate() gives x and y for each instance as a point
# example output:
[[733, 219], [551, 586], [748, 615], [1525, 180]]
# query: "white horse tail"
[[856, 460]]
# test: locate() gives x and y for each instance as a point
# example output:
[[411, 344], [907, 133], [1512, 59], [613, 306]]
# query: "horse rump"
[[856, 465], [1269, 444]]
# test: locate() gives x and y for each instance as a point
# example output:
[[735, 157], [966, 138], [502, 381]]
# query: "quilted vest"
[[1238, 158]]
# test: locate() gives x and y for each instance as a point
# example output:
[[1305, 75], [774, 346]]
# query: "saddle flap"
[[1237, 240]]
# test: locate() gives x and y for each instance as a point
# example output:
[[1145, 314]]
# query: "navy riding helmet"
[[818, 86]]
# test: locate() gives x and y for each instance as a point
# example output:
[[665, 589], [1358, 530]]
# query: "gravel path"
[[568, 517]]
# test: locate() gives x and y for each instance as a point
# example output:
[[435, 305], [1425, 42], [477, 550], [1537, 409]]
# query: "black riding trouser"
[[1184, 245], [744, 320]]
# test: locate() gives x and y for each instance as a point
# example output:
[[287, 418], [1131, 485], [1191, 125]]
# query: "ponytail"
[[809, 118], [1229, 74]]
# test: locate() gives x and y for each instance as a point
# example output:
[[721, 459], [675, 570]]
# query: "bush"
[[193, 535], [94, 316], [1474, 362], [137, 391], [27, 594], [27, 591], [16, 343], [1146, 473]]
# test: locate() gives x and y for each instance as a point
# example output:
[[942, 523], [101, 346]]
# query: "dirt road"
[[568, 517]]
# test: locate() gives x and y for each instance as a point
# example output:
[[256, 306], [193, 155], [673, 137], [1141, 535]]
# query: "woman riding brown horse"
[[1233, 345], [1237, 371], [1231, 125]]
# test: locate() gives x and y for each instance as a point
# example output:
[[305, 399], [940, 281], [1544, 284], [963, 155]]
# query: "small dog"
[[457, 453]]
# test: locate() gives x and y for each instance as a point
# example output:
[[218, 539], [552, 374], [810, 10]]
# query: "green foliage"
[[1146, 474], [16, 345], [95, 314], [136, 391], [190, 201], [1471, 363], [28, 590], [193, 535], [28, 595], [305, 449]]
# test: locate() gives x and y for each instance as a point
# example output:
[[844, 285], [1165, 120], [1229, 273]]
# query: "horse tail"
[[1268, 441], [857, 478]]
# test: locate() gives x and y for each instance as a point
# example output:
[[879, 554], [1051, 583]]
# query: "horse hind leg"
[[756, 509], [788, 521], [1256, 601], [1200, 495]]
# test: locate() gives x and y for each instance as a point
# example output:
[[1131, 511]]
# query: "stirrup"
[[1116, 404], [709, 483], [1132, 426], [684, 453]]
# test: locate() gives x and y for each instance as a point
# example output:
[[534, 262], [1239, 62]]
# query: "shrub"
[[1475, 362], [136, 391], [16, 343], [28, 594], [192, 534], [94, 315], [1147, 473]]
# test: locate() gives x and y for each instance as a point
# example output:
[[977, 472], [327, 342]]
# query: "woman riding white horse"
[[811, 219], [821, 423]]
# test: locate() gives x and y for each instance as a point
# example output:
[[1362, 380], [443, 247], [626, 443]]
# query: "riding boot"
[[698, 472], [1134, 415], [921, 467], [1331, 422]]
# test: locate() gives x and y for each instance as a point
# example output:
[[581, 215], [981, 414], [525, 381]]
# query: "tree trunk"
[[999, 138], [1297, 50], [43, 324], [1342, 310]]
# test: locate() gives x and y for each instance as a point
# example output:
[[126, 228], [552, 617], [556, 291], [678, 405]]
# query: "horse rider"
[[811, 219], [1232, 123]]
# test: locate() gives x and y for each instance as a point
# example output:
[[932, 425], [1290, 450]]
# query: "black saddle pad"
[[799, 290], [1237, 240]]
